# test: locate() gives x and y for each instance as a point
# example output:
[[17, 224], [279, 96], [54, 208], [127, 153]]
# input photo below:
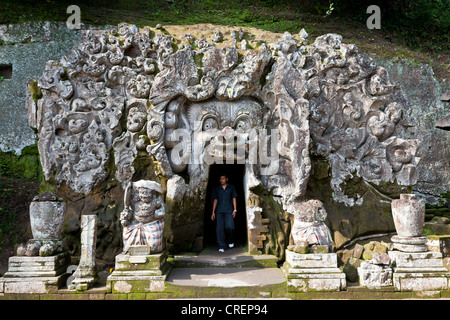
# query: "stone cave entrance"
[[236, 176]]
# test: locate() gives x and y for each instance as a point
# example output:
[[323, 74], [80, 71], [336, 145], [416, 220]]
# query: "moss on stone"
[[136, 296], [346, 222], [135, 286], [277, 237], [198, 59], [35, 90], [442, 208], [26, 166], [184, 221]]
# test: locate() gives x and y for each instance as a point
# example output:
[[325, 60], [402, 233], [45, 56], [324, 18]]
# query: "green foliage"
[[422, 24], [330, 9]]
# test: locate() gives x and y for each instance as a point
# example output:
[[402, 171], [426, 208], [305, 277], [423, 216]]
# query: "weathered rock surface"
[[26, 49], [424, 92], [121, 93], [374, 275], [351, 269]]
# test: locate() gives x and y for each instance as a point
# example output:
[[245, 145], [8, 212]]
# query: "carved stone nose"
[[227, 132]]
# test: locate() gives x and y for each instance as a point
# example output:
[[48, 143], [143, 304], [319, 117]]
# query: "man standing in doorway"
[[224, 204]]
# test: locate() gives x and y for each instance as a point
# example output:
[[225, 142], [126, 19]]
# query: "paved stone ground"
[[225, 277]]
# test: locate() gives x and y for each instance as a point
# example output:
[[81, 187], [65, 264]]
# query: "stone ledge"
[[313, 270], [311, 260], [365, 289], [420, 282], [276, 292]]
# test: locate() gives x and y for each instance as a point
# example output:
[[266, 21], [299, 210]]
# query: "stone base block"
[[311, 260], [82, 284], [128, 262], [313, 272], [136, 283], [35, 274], [375, 278], [429, 259], [139, 273], [41, 266], [426, 281], [32, 284], [410, 244], [304, 282], [85, 278], [419, 271], [410, 247]]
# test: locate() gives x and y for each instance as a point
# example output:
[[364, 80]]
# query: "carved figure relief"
[[143, 216]]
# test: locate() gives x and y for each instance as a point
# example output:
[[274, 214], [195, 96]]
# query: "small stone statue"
[[308, 224], [143, 216]]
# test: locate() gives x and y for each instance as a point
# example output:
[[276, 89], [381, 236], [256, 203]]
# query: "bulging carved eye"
[[210, 123], [243, 125]]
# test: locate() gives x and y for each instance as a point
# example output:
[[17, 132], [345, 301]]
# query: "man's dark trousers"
[[225, 226]]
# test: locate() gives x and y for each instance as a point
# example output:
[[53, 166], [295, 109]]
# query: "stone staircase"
[[235, 268], [236, 257]]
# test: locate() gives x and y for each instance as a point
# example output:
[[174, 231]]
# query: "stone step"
[[33, 284], [33, 273], [311, 260], [225, 277], [232, 258]]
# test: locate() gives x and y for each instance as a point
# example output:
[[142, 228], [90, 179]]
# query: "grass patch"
[[417, 30]]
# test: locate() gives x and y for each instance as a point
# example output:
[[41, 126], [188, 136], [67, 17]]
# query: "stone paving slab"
[[226, 277]]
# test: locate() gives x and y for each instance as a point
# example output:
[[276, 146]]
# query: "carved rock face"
[[216, 125], [126, 91]]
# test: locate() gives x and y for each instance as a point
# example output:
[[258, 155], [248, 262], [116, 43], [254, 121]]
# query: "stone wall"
[[26, 48]]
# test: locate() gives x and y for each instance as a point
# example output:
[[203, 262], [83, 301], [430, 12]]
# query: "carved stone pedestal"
[[35, 274], [374, 276], [139, 272], [410, 244], [419, 271], [312, 272]]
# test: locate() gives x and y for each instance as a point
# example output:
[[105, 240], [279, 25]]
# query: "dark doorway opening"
[[5, 71], [235, 173]]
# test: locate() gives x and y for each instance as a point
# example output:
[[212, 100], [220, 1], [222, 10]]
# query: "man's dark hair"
[[223, 175]]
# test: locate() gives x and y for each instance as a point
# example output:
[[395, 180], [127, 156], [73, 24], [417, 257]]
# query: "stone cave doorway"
[[236, 176]]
